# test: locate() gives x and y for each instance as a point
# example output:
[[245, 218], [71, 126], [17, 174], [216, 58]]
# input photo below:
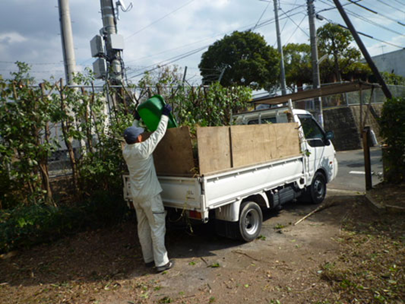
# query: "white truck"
[[269, 158]]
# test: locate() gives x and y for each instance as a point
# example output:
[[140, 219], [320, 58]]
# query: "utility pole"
[[184, 75], [363, 49], [67, 40], [222, 72], [114, 43], [280, 50], [316, 80]]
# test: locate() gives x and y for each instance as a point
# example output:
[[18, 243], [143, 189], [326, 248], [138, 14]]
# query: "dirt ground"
[[345, 253], [389, 195]]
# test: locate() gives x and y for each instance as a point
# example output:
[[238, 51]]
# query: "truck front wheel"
[[315, 194], [250, 221]]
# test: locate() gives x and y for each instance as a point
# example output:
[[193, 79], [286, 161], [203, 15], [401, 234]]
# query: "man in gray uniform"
[[145, 191]]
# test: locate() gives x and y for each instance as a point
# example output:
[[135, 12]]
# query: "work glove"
[[136, 115], [166, 110]]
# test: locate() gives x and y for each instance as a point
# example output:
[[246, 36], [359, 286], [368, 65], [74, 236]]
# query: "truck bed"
[[228, 164], [203, 193]]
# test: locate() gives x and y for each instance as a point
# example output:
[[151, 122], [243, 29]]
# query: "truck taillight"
[[195, 214]]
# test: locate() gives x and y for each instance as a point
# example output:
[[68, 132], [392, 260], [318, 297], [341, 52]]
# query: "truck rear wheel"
[[250, 221]]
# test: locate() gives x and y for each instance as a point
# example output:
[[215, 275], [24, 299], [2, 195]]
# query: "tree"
[[334, 41], [243, 58], [162, 76], [297, 62], [392, 78]]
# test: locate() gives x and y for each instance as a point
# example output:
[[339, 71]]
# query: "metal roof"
[[330, 89]]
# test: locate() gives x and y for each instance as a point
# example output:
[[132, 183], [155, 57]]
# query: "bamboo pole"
[[65, 131]]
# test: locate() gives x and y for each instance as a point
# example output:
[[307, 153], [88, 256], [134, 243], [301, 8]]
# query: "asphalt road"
[[351, 170]]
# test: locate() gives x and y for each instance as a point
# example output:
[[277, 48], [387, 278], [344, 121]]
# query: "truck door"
[[319, 147]]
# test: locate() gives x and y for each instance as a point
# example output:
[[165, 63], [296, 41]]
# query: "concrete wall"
[[345, 123], [371, 119], [341, 122]]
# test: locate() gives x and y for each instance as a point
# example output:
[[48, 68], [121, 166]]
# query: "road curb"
[[377, 207], [348, 192]]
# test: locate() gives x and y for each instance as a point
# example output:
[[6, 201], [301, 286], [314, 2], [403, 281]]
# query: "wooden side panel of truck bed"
[[248, 145], [225, 148]]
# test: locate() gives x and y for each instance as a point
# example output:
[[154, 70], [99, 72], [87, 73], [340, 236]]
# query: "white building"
[[392, 62]]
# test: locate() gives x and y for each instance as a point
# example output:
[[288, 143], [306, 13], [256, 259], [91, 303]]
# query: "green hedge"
[[25, 226], [392, 123]]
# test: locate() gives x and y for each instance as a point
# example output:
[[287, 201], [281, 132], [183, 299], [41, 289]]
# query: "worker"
[[146, 189]]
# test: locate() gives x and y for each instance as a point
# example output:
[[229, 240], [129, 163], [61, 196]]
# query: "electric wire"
[[286, 21], [374, 23], [169, 50], [260, 18], [298, 26], [216, 35], [333, 6], [259, 24], [169, 61], [402, 3], [150, 24], [396, 8], [363, 34], [172, 60], [367, 20], [34, 63], [269, 21], [192, 52], [377, 13]]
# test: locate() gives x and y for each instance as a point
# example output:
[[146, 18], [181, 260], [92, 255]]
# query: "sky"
[[178, 31]]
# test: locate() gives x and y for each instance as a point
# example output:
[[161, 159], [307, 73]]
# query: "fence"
[[353, 98]]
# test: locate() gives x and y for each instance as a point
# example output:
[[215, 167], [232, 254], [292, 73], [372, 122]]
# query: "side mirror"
[[329, 135]]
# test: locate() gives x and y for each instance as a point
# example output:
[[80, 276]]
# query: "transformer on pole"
[[107, 47]]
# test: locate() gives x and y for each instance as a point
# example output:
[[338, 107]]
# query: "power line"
[[396, 8], [333, 6], [367, 20], [197, 50], [363, 34], [222, 34], [171, 60], [270, 21], [190, 53], [362, 6], [374, 23], [298, 25], [377, 13], [166, 51], [260, 18], [172, 12], [285, 23], [34, 63], [400, 2]]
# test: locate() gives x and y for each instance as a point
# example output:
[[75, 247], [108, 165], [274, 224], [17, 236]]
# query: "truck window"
[[263, 120], [312, 131]]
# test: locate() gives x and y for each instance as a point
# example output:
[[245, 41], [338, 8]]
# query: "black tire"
[[250, 221], [316, 193]]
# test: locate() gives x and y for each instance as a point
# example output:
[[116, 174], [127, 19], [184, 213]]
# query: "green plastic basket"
[[151, 111]]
